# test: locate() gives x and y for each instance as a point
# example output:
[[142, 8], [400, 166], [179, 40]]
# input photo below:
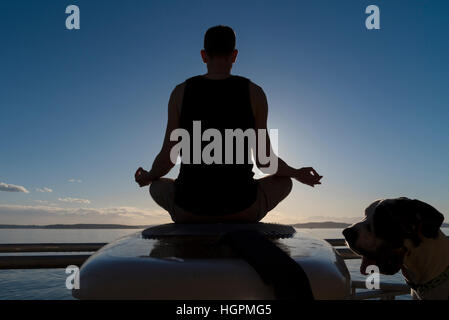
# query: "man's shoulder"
[[256, 90], [239, 77], [254, 87], [179, 88], [193, 78], [177, 94]]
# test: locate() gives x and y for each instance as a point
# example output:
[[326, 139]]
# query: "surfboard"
[[188, 262]]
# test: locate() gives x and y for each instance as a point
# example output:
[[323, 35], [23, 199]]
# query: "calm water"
[[50, 283]]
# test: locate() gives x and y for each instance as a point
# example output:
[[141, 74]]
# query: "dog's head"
[[379, 237]]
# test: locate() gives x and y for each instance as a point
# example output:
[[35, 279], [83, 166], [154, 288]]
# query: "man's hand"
[[308, 176], [141, 177]]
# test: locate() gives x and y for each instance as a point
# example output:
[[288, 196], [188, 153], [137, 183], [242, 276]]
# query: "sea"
[[49, 284]]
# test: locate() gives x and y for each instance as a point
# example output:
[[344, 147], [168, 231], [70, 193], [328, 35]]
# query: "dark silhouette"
[[219, 192]]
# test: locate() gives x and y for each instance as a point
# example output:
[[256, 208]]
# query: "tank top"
[[216, 189]]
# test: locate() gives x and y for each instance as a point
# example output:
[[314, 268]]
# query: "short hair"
[[219, 41]]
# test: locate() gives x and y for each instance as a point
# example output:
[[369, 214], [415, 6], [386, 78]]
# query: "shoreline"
[[306, 225]]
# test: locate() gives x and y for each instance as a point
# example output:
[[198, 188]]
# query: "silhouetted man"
[[219, 192]]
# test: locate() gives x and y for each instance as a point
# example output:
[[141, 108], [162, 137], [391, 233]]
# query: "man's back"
[[218, 104]]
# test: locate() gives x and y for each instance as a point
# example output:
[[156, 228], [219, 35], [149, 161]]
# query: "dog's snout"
[[350, 235]]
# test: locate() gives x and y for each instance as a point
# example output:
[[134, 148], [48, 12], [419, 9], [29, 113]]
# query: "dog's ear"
[[388, 226], [403, 218], [430, 219]]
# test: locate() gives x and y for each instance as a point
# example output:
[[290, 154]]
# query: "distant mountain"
[[333, 225], [321, 225], [307, 225]]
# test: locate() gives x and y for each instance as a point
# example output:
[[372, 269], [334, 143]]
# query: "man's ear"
[[234, 55], [430, 219], [204, 56]]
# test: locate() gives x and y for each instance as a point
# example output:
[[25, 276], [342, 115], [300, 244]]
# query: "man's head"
[[219, 45]]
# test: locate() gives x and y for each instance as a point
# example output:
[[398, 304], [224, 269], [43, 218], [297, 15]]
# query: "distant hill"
[[307, 225], [321, 225], [333, 225]]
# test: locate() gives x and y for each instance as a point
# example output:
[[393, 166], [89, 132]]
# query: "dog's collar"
[[435, 282]]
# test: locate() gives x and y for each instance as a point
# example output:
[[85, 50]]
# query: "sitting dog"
[[404, 234]]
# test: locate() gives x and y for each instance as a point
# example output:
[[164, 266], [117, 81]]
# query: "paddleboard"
[[188, 262]]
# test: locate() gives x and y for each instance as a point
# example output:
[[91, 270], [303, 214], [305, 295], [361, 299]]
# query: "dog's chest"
[[439, 292]]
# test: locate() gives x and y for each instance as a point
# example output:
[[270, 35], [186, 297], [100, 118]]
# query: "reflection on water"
[[50, 283]]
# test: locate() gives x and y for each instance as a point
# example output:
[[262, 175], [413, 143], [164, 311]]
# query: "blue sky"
[[367, 109]]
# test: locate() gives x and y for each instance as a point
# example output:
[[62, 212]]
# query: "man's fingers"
[[311, 171], [314, 178], [312, 182], [139, 175], [139, 172]]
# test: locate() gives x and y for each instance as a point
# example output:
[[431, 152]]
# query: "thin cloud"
[[112, 211], [46, 202], [330, 218], [283, 217], [74, 200], [48, 214], [44, 189], [12, 188], [75, 180]]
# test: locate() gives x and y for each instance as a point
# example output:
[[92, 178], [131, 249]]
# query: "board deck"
[[195, 266], [270, 230]]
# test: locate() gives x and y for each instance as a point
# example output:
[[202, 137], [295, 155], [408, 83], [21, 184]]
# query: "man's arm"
[[260, 108], [162, 163]]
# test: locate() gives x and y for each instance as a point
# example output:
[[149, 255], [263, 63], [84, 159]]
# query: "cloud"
[[330, 218], [44, 189], [277, 216], [112, 211], [45, 202], [75, 180], [12, 188], [48, 214], [74, 200], [283, 217]]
